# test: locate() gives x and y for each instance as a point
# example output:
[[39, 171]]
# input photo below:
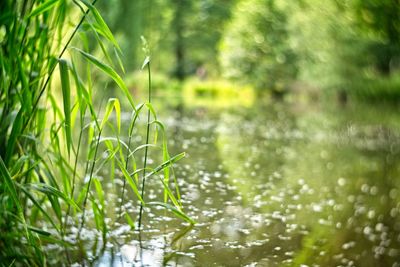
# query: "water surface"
[[277, 184]]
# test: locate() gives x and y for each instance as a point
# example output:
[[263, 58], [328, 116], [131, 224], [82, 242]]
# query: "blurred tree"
[[256, 47], [205, 32], [129, 20], [182, 8], [354, 49], [197, 28], [183, 34], [382, 19]]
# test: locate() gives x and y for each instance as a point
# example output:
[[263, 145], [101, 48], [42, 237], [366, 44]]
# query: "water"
[[272, 185]]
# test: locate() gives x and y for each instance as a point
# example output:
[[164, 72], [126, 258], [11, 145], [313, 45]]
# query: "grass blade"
[[129, 220], [15, 132], [111, 73], [121, 65], [102, 27], [37, 205], [49, 190], [174, 210], [9, 184], [112, 103], [99, 190], [166, 187], [7, 180], [66, 91], [167, 163], [166, 157], [42, 8], [39, 231], [130, 181]]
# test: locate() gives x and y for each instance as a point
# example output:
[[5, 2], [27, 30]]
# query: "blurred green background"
[[287, 49]]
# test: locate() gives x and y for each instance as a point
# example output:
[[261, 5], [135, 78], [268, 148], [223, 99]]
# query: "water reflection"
[[155, 251], [279, 187], [275, 185]]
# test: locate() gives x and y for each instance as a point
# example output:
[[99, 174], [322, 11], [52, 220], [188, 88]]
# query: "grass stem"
[[146, 148], [89, 183]]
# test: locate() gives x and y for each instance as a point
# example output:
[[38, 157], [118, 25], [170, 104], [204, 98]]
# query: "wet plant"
[[53, 142]]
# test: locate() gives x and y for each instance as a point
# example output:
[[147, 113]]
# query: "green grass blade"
[[168, 193], [95, 31], [54, 106], [66, 91], [121, 65], [102, 27], [99, 214], [167, 163], [39, 206], [174, 210], [135, 117], [12, 263], [111, 73], [152, 110], [39, 231], [112, 103], [167, 190], [129, 220], [113, 139], [99, 190], [142, 147], [15, 132], [43, 8], [166, 157], [81, 93], [96, 213], [18, 165], [130, 180], [52, 191], [9, 184]]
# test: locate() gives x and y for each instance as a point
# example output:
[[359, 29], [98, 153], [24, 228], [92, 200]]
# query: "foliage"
[[381, 19], [183, 34], [352, 46], [255, 47], [52, 136]]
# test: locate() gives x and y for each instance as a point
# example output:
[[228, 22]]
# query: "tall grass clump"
[[54, 137]]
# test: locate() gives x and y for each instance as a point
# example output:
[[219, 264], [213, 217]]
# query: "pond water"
[[271, 185]]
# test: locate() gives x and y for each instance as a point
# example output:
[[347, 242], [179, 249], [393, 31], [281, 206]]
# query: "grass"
[[52, 136], [146, 149]]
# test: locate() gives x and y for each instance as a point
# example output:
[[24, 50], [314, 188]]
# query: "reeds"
[[49, 149]]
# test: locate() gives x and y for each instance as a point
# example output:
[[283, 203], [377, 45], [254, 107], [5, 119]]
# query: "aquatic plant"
[[52, 139]]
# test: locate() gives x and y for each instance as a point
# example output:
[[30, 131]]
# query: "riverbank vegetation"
[[56, 140]]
